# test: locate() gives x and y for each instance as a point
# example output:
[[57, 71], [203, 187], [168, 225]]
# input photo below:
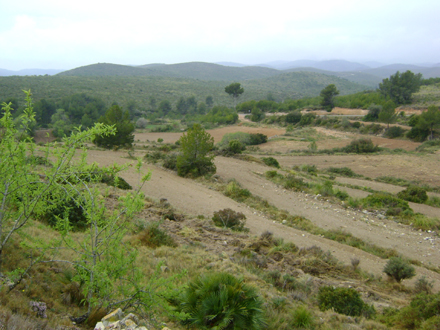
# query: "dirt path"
[[196, 199]]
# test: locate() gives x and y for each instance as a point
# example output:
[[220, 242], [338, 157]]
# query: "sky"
[[54, 34]]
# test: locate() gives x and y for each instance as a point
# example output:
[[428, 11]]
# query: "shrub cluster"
[[361, 146], [344, 301], [413, 194], [228, 218], [270, 161]]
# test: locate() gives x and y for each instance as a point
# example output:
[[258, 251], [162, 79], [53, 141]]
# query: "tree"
[[209, 101], [61, 124], [429, 119], [400, 86], [328, 95], [234, 90], [257, 115], [23, 188], [388, 113], [124, 129], [165, 107], [194, 158], [399, 269]]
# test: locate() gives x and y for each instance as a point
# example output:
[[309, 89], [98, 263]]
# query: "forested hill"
[[210, 71], [140, 89], [192, 70]]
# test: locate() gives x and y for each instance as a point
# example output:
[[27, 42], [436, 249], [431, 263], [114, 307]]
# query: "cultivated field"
[[196, 198]]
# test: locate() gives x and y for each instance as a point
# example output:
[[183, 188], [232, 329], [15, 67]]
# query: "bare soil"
[[194, 198]]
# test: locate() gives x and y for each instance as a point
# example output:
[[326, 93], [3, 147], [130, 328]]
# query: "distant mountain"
[[388, 70], [361, 78], [109, 69], [373, 64], [331, 65], [29, 72], [192, 70], [231, 64]]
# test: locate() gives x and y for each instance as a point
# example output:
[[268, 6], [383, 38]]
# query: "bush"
[[385, 201], [343, 171], [361, 146], [302, 318], [170, 162], [394, 132], [221, 301], [293, 117], [356, 124], [418, 135], [343, 300], [234, 147], [234, 191], [257, 138], [270, 161], [153, 237], [228, 218], [399, 269], [413, 194], [307, 119], [294, 183], [66, 207]]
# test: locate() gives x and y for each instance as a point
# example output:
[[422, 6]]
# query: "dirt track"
[[196, 199]]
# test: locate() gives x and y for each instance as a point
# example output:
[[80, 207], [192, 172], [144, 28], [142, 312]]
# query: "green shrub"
[[221, 301], [271, 174], [356, 124], [153, 237], [270, 161], [394, 132], [228, 218], [418, 135], [257, 138], [302, 318], [66, 207], [342, 195], [117, 182], [343, 171], [293, 117], [399, 269], [384, 201], [361, 146], [413, 194], [423, 285], [294, 183], [325, 189], [312, 169], [234, 191], [307, 119], [343, 300], [170, 162]]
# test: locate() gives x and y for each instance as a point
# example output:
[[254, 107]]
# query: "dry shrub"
[[72, 294], [96, 316]]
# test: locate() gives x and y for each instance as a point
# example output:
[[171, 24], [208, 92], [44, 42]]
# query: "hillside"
[[358, 77], [123, 89]]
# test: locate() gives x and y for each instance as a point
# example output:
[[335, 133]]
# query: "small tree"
[[388, 114], [429, 120], [400, 86], [399, 269], [124, 129], [328, 96], [194, 157], [234, 90]]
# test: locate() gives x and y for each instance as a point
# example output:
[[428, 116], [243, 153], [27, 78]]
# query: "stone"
[[99, 326], [114, 316]]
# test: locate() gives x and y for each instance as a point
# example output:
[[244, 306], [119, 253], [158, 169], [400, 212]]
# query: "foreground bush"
[[228, 218], [399, 269], [390, 203], [343, 300], [221, 301]]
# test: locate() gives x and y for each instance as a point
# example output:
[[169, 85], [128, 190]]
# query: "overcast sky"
[[66, 34]]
